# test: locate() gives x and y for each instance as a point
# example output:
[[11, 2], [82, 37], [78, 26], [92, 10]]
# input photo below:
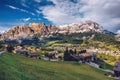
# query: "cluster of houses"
[[22, 50], [34, 53], [107, 52], [83, 56], [86, 55]]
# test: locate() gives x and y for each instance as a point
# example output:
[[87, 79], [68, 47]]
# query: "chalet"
[[85, 57], [117, 69], [19, 47], [34, 55], [25, 52], [52, 55]]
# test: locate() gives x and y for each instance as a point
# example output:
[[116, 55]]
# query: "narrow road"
[[2, 52], [97, 66]]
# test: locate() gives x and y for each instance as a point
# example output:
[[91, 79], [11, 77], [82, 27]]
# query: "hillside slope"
[[18, 67]]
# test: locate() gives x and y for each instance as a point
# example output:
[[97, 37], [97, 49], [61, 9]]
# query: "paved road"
[[2, 52]]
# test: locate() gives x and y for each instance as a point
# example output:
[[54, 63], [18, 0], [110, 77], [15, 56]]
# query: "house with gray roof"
[[116, 69]]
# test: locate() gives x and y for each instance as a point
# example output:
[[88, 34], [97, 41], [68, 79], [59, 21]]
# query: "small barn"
[[86, 57], [24, 52], [34, 55], [116, 69], [52, 55]]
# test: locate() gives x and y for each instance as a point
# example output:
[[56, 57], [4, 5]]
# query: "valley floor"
[[18, 67]]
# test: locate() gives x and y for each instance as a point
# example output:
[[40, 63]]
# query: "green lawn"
[[18, 67]]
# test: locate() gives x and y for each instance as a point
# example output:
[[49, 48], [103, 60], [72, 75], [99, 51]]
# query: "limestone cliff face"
[[82, 27], [52, 29], [15, 32], [41, 29], [24, 31]]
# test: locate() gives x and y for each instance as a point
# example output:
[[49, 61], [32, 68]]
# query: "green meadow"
[[19, 67]]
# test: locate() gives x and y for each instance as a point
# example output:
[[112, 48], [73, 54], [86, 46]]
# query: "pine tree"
[[75, 51], [10, 48], [66, 55]]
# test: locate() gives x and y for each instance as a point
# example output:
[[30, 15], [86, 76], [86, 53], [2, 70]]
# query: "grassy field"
[[18, 67]]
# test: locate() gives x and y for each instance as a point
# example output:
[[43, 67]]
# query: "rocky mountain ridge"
[[41, 29]]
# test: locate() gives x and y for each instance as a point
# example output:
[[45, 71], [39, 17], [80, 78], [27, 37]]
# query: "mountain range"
[[42, 29]]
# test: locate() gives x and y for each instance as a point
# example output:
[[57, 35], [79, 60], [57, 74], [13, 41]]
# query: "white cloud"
[[36, 19], [22, 10], [3, 29], [12, 7], [62, 13], [23, 3], [26, 19], [117, 37], [38, 1], [118, 32], [105, 12], [38, 11]]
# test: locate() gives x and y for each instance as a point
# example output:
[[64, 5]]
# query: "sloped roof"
[[85, 54], [34, 54]]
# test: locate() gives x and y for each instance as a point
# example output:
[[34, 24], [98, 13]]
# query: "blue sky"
[[19, 12], [59, 12]]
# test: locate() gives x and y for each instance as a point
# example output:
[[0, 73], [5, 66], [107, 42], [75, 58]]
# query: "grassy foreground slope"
[[18, 67]]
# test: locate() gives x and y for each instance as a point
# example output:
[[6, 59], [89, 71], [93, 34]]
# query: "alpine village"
[[83, 51], [59, 39]]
